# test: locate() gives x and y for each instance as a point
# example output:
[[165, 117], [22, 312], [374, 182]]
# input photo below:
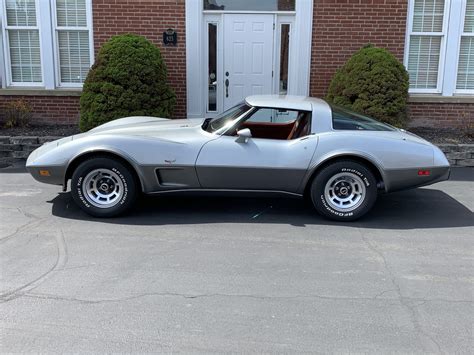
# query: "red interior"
[[269, 130]]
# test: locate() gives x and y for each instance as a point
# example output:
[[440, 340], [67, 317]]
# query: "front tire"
[[103, 187], [344, 191]]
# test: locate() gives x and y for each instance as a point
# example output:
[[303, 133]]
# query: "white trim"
[[196, 56], [301, 70], [3, 78], [443, 46], [283, 20], [5, 28], [217, 20], [46, 27], [453, 24], [462, 8], [56, 28]]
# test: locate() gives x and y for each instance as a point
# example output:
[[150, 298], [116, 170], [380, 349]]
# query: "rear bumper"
[[402, 179]]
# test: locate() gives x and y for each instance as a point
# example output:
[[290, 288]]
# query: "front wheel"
[[344, 191], [103, 187]]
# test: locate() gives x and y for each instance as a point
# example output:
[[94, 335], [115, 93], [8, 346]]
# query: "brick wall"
[[149, 18], [49, 109], [450, 115], [341, 27]]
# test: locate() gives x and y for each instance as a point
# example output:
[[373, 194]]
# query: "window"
[[73, 47], [23, 42], [284, 57], [249, 5], [37, 53], [343, 119], [212, 67], [465, 74], [269, 123], [439, 52]]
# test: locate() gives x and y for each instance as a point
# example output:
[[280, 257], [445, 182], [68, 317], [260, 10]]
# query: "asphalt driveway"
[[236, 274]]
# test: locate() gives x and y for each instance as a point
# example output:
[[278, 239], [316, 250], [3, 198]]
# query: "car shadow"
[[412, 209]]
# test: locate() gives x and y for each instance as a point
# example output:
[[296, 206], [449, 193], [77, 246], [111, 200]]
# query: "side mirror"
[[244, 135]]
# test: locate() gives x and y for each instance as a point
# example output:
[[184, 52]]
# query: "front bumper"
[[53, 175], [402, 179]]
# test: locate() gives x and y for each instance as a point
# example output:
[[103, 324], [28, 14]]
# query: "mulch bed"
[[41, 131], [437, 136]]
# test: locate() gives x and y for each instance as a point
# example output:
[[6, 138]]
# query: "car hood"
[[153, 127]]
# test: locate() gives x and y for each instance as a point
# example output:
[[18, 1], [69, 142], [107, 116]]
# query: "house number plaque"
[[170, 37]]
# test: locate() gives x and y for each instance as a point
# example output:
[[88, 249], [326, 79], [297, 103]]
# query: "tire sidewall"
[[117, 167], [319, 183]]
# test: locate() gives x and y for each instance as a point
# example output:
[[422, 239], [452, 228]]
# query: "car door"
[[258, 163]]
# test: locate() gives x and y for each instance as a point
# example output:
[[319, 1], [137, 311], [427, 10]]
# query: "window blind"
[[73, 40], [425, 43], [24, 44], [465, 75]]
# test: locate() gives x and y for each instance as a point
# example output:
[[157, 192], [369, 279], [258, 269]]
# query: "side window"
[[271, 115], [346, 120], [282, 124]]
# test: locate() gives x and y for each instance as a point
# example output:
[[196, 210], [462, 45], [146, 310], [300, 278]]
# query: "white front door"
[[248, 56]]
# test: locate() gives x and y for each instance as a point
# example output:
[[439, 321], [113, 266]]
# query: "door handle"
[[226, 87]]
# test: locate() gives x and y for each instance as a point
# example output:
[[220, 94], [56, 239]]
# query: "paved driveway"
[[235, 274]]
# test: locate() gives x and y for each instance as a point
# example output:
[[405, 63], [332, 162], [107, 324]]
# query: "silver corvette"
[[267, 144]]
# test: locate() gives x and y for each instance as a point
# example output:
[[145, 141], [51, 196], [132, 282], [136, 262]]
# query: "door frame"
[[197, 21]]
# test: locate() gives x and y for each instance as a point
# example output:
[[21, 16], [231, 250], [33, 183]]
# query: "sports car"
[[290, 145]]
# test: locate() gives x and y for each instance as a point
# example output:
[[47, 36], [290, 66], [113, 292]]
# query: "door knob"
[[226, 87]]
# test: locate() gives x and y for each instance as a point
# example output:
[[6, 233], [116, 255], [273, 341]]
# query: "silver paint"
[[171, 155]]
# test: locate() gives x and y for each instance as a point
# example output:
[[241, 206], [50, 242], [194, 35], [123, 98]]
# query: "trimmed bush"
[[372, 82], [127, 79]]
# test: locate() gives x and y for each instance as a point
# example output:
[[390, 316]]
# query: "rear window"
[[343, 119]]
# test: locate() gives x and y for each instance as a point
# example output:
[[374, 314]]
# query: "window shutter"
[[24, 44], [465, 77], [73, 40], [425, 43]]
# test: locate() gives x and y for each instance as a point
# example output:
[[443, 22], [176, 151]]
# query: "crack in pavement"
[[60, 263], [404, 301], [209, 295]]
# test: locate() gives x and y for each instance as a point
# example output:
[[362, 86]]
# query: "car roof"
[[289, 102]]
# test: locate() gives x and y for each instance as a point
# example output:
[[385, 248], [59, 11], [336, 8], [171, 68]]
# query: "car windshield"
[[225, 119], [343, 119]]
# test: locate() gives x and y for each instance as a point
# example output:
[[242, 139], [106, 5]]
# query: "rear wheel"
[[103, 187], [344, 191]]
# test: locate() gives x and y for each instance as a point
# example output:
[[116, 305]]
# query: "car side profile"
[[292, 145]]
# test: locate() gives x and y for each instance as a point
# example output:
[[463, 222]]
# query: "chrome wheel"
[[103, 188], [344, 192]]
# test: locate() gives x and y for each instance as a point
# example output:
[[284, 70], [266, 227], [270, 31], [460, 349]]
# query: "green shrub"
[[127, 79], [17, 113], [372, 82]]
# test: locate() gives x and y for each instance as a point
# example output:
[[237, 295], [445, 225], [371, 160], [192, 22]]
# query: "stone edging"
[[20, 147]]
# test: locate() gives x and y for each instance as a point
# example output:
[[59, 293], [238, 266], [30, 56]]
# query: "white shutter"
[[24, 44], [72, 41], [465, 77], [424, 49]]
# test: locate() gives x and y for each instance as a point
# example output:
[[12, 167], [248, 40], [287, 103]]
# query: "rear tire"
[[103, 187], [344, 191]]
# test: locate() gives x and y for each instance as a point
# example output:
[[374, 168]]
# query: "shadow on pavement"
[[413, 209]]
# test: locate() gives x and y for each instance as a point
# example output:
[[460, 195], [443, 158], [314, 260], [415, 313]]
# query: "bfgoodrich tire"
[[344, 191], [103, 187]]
